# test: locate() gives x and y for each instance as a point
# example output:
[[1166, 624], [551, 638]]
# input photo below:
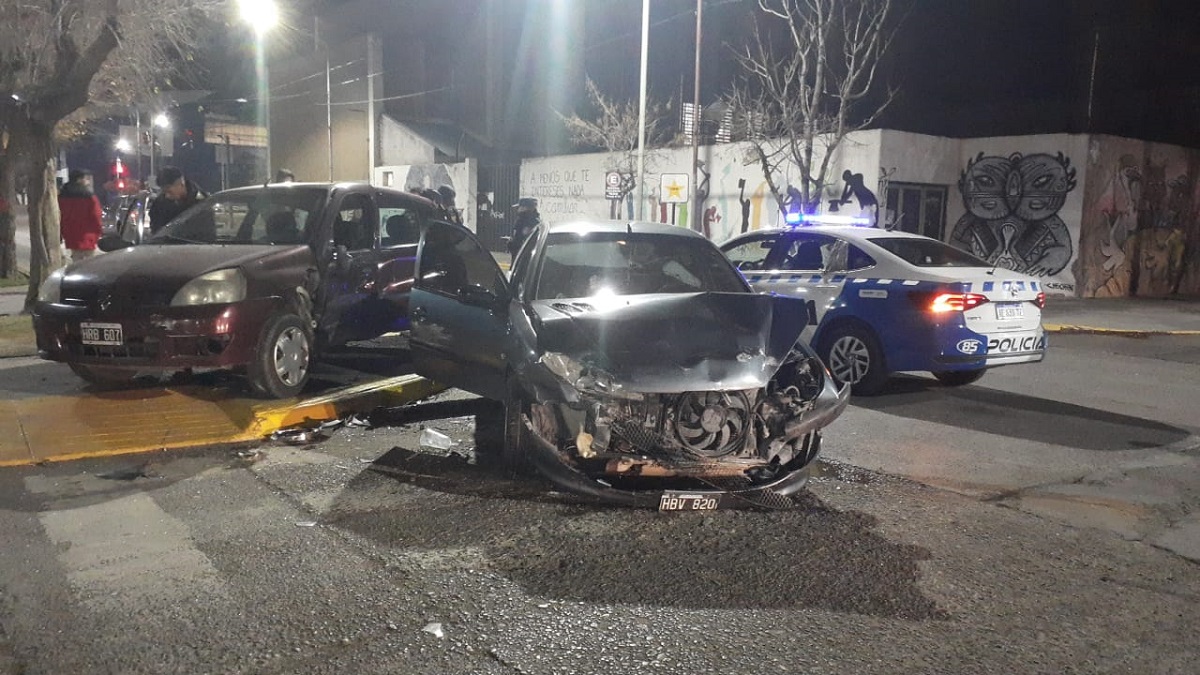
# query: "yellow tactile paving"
[[57, 428]]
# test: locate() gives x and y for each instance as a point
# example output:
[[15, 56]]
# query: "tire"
[[281, 362], [957, 378], [517, 437], [102, 376], [854, 357]]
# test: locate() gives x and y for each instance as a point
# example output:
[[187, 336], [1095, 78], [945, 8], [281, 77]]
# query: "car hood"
[[674, 342], [167, 267]]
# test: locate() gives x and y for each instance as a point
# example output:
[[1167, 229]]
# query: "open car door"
[[459, 312]]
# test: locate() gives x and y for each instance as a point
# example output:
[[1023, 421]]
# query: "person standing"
[[527, 221], [449, 199], [176, 195], [82, 217]]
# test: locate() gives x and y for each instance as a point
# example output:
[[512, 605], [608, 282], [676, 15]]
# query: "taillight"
[[956, 302], [1040, 301]]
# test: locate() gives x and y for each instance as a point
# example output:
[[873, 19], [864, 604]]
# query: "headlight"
[[51, 288], [563, 366], [214, 288], [586, 378]]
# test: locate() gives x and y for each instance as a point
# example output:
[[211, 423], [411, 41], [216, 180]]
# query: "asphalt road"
[[341, 556]]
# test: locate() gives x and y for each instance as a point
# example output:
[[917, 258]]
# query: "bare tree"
[[614, 127], [64, 60], [810, 66]]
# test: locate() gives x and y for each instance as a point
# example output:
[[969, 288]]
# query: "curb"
[[1120, 332], [62, 428]]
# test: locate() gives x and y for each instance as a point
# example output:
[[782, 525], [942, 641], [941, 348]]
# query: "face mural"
[[1012, 212]]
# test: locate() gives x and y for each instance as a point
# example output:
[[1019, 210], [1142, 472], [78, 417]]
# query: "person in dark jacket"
[[449, 197], [82, 217], [527, 221], [176, 195]]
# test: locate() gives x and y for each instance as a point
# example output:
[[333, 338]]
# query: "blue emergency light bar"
[[825, 219]]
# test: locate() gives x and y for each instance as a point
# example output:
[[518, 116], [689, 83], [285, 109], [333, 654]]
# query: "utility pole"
[[695, 211], [373, 59], [641, 153]]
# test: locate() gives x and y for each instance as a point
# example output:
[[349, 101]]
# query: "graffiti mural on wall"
[[1012, 212], [1141, 215], [855, 186]]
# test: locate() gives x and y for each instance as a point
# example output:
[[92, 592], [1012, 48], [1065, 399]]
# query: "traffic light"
[[119, 173]]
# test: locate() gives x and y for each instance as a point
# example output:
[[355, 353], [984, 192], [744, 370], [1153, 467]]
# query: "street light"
[[123, 146], [161, 121], [261, 15]]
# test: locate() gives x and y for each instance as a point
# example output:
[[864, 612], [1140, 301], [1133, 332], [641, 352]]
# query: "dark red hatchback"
[[256, 279]]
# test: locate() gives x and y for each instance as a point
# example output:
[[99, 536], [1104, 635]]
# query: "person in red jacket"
[[82, 216]]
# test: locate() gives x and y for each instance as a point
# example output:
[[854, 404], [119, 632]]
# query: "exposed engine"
[[728, 432]]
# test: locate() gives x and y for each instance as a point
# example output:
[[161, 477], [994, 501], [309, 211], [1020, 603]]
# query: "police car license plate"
[[1007, 311], [688, 501], [109, 334]]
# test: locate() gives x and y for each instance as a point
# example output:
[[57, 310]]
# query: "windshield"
[[584, 265], [928, 252], [277, 215]]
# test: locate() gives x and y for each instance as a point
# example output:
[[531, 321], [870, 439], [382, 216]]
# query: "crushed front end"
[[733, 446]]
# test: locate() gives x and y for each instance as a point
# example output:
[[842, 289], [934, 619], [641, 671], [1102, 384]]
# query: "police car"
[[881, 302]]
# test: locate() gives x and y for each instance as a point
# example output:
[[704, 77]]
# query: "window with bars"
[[916, 208]]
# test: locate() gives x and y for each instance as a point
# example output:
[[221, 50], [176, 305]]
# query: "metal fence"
[[499, 189]]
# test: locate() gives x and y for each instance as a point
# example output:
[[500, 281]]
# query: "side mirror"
[[111, 242]]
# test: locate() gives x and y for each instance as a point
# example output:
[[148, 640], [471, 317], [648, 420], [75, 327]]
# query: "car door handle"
[[418, 314]]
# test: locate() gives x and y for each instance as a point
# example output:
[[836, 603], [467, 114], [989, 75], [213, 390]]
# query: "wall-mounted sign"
[[674, 188]]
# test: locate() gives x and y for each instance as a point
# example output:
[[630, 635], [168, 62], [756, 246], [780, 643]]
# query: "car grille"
[[122, 300], [637, 435]]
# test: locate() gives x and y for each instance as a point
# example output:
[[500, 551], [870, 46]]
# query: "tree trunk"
[[45, 239], [8, 220]]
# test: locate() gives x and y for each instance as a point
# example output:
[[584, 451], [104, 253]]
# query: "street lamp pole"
[[641, 152], [262, 15], [697, 217], [160, 121]]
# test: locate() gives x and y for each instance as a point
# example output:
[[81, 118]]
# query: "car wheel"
[[516, 434], [102, 376], [280, 366], [854, 357], [957, 378]]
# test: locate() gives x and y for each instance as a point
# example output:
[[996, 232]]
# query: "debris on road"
[[306, 523], [434, 629], [434, 439]]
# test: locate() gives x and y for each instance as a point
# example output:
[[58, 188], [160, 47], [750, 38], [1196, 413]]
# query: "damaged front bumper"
[[731, 480]]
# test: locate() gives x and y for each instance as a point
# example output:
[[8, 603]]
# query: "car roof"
[[621, 226], [343, 185], [853, 233]]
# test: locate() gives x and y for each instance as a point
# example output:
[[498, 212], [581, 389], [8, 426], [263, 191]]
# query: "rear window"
[[601, 263], [928, 252]]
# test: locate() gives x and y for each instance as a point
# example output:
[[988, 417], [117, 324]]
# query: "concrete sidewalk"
[[1123, 316]]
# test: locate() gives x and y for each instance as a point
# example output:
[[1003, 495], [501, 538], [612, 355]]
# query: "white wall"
[[399, 145], [463, 177], [571, 187]]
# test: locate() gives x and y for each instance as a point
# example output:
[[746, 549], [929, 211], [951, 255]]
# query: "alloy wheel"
[[849, 359]]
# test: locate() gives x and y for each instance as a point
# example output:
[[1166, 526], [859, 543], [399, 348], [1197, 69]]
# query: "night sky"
[[960, 67], [963, 67]]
